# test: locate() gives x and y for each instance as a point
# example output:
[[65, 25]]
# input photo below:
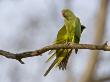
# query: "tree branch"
[[19, 56]]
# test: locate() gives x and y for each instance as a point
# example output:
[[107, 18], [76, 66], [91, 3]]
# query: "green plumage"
[[70, 32]]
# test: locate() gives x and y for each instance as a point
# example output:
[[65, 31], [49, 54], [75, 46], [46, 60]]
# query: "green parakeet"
[[70, 32]]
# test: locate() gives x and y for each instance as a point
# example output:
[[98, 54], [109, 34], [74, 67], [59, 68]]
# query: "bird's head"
[[68, 14]]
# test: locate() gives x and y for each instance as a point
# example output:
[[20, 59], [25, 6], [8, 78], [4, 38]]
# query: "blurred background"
[[27, 25]]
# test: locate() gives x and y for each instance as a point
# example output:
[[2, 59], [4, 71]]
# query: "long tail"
[[52, 65], [61, 60], [59, 57], [64, 62]]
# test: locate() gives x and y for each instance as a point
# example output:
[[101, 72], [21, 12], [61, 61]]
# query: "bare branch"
[[19, 56]]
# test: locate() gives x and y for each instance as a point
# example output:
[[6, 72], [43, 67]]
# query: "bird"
[[69, 32]]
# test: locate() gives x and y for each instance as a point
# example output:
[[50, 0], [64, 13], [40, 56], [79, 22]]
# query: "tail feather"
[[56, 61], [61, 60], [51, 57], [52, 65], [64, 62]]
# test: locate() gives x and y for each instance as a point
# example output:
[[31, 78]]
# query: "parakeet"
[[70, 32]]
